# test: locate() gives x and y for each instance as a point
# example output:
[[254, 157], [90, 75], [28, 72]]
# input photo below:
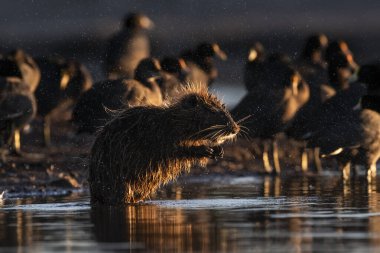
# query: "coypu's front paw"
[[201, 152], [218, 152], [212, 152], [204, 151]]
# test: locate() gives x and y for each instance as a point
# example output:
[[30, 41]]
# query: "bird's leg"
[[304, 161], [3, 156], [47, 131], [16, 144], [371, 172], [276, 159], [267, 167], [346, 172], [317, 159]]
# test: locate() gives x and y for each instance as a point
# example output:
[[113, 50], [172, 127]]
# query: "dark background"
[[80, 28]]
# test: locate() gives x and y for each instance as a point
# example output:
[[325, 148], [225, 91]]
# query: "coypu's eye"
[[192, 101]]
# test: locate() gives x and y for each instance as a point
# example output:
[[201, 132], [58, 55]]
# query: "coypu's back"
[[145, 146]]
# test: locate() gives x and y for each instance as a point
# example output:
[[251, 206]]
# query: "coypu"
[[144, 147], [200, 63], [90, 112], [174, 74], [128, 47], [17, 109], [30, 73], [62, 82]]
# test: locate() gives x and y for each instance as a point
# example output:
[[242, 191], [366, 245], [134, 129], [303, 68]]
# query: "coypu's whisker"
[[244, 119], [212, 135], [207, 129], [244, 127], [245, 135], [243, 131], [216, 134]]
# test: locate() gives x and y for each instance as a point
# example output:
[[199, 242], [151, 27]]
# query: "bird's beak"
[[146, 23], [351, 61], [65, 78], [295, 80], [219, 52], [183, 65], [252, 55]]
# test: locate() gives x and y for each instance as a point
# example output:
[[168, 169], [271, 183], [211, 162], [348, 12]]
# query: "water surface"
[[205, 214]]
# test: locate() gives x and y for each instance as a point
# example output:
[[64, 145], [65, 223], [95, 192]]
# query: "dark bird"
[[347, 94], [254, 67], [174, 73], [352, 132], [26, 65], [201, 65], [273, 104], [128, 47], [17, 109], [62, 82], [341, 70], [312, 65], [90, 113], [313, 68], [337, 47]]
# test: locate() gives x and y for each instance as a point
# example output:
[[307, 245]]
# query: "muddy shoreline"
[[62, 168]]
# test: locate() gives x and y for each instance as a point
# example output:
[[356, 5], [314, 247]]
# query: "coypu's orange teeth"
[[210, 143], [222, 139]]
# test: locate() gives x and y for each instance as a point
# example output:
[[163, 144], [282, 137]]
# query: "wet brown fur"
[[144, 147]]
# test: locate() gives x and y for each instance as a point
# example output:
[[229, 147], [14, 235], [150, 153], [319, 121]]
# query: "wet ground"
[[205, 214]]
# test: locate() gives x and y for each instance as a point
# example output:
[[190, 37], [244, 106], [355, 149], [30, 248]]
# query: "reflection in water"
[[305, 214]]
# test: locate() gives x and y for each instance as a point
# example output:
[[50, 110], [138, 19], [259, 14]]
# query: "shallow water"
[[205, 214]]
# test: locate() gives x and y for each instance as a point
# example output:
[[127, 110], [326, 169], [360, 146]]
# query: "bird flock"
[[323, 99]]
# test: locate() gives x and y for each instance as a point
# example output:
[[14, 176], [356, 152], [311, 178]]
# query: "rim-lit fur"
[[140, 148]]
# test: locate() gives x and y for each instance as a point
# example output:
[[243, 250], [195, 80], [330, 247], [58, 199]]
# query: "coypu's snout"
[[209, 119], [234, 128]]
